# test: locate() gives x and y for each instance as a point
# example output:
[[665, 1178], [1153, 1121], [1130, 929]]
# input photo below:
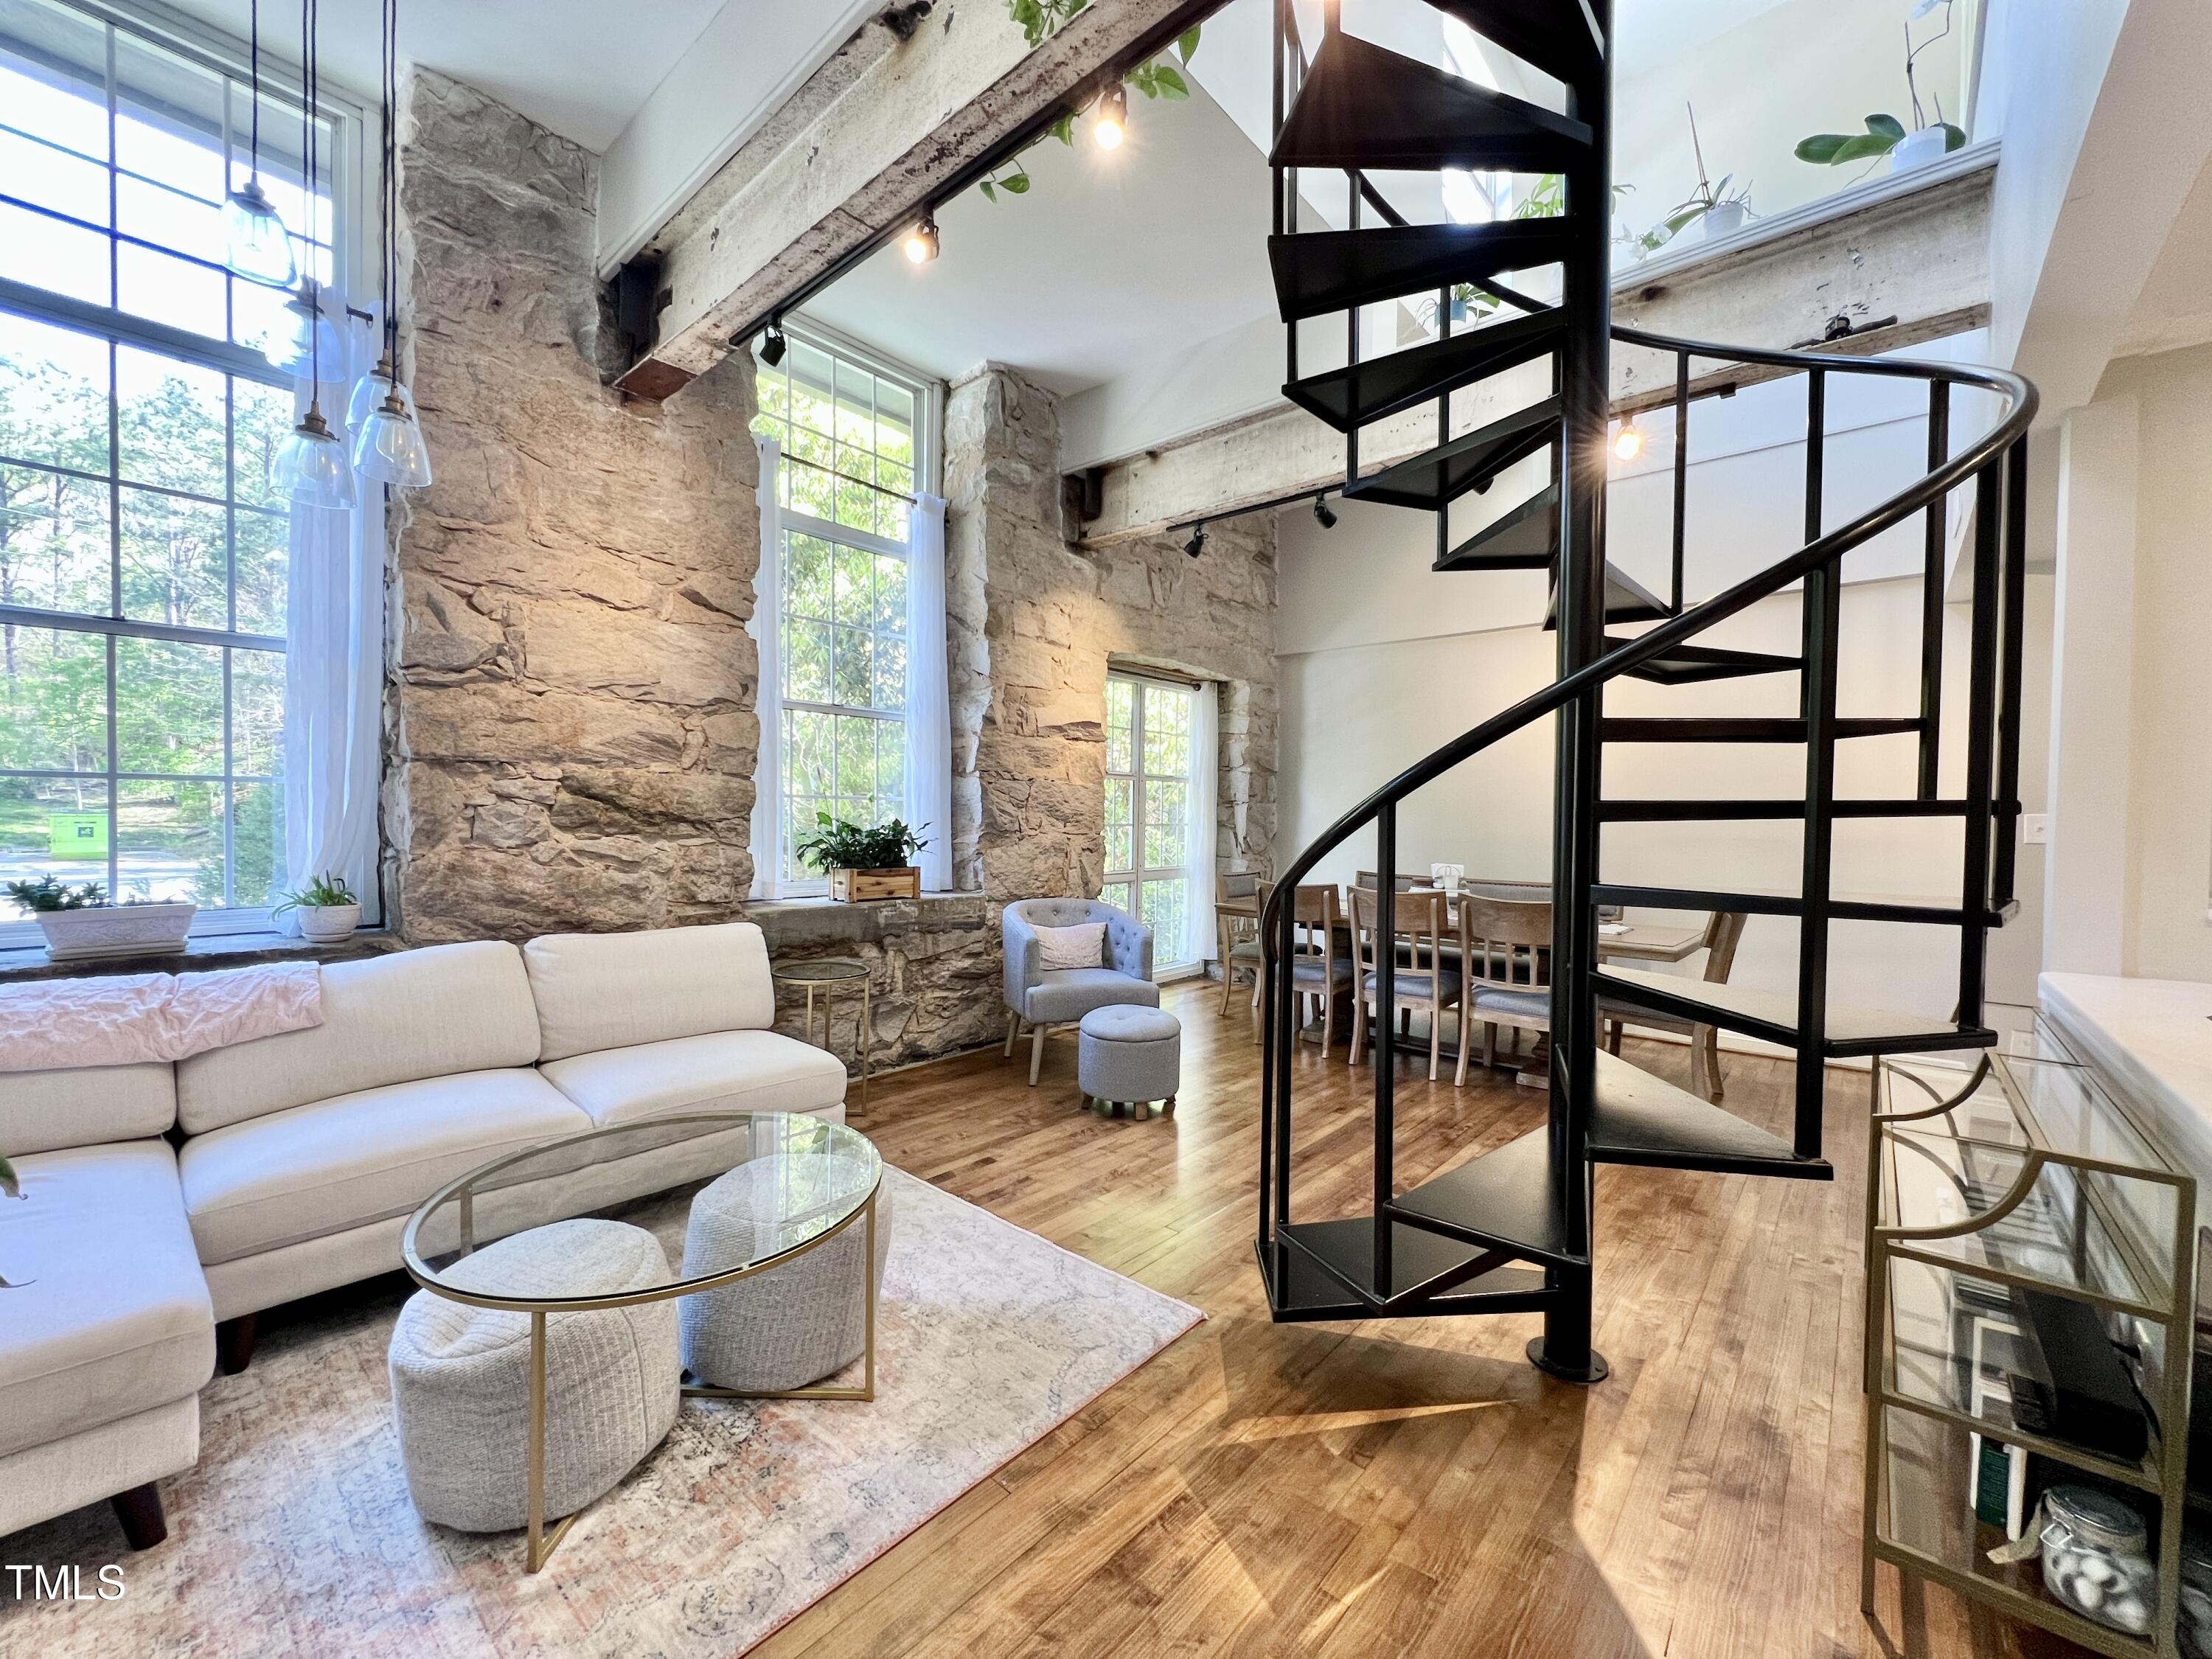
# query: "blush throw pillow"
[[1083, 945]]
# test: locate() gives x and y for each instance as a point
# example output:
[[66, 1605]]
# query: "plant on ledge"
[[1885, 135], [839, 844], [49, 894]]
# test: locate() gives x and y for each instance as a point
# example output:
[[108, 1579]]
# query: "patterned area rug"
[[295, 1534]]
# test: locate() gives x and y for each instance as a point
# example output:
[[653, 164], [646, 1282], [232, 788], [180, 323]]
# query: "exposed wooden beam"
[[1901, 271], [891, 131]]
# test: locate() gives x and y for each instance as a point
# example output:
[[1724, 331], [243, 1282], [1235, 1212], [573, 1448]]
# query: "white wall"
[[1385, 659]]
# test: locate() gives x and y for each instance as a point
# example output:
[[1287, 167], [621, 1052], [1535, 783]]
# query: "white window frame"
[[774, 822], [349, 236], [1196, 801]]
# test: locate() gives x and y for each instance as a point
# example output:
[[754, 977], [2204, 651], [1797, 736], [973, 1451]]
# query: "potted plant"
[[326, 908], [82, 921], [1718, 210], [1885, 135], [864, 863]]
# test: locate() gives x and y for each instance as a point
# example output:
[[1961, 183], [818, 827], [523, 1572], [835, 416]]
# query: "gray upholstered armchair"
[[1047, 997]]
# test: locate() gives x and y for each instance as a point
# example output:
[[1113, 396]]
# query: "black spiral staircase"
[[1510, 1231]]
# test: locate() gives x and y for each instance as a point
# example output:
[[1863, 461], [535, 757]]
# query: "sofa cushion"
[[392, 1019], [1066, 994], [337, 1164], [721, 1071], [619, 990], [112, 1316], [42, 1111]]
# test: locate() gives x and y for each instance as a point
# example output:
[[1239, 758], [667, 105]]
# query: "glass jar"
[[2096, 1558]]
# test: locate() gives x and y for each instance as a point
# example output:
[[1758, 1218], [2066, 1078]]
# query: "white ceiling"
[[581, 67], [1110, 255]]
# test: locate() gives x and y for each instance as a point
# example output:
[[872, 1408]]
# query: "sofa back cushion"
[[397, 1018], [598, 991], [87, 1106]]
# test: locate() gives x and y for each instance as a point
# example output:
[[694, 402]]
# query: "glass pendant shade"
[[369, 393], [311, 467], [388, 446], [260, 248], [293, 341]]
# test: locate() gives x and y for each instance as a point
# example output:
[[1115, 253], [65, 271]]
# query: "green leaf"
[[1189, 44], [990, 192], [1888, 125], [1016, 186], [1687, 217], [1171, 83], [1064, 129], [1864, 148], [8, 1184], [1953, 137], [1820, 148]]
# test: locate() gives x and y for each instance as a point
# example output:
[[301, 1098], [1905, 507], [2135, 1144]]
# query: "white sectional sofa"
[[298, 1157]]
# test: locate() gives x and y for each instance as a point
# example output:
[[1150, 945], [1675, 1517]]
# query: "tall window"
[[143, 554], [1151, 808], [854, 439]]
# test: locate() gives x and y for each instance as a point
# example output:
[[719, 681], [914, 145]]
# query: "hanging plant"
[[1040, 18]]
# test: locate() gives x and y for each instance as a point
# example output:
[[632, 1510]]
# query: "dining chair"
[[1423, 980], [1237, 935], [1404, 880], [1724, 932], [1321, 954], [1505, 946]]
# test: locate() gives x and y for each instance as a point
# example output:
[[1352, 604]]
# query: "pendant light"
[[310, 467], [302, 329], [260, 246], [387, 439]]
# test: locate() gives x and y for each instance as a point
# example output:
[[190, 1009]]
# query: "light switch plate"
[[2035, 828]]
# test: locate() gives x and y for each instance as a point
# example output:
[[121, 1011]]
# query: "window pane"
[[806, 577], [855, 571], [890, 595], [851, 680], [42, 252], [1118, 847], [262, 419], [58, 88], [807, 662], [258, 873], [168, 707], [256, 713], [161, 215], [1167, 732], [263, 551], [169, 423], [890, 767], [800, 821], [168, 842], [174, 560], [170, 290], [855, 407], [53, 395], [257, 310], [890, 672], [54, 696], [895, 423], [1164, 914], [811, 491], [1117, 895], [809, 755], [168, 117], [51, 177], [53, 827], [811, 406], [856, 755], [53, 541], [1120, 713]]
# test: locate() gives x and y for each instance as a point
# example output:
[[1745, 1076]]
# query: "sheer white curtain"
[[928, 693], [334, 662], [1199, 941], [768, 600]]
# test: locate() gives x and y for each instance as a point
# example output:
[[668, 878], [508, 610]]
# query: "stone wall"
[[571, 733]]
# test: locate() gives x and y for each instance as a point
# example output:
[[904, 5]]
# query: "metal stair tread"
[[1506, 1198], [1324, 271], [1626, 600], [1365, 108], [1344, 1250], [1684, 664], [1638, 1118], [1740, 728], [1522, 537], [1556, 40], [1773, 1014], [1470, 461], [1379, 387]]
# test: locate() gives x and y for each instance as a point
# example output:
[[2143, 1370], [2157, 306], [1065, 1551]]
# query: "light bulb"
[[1111, 124], [921, 241], [388, 446], [259, 246], [310, 467], [1628, 442]]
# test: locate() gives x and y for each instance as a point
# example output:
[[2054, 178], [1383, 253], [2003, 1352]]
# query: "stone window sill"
[[798, 924], [199, 955]]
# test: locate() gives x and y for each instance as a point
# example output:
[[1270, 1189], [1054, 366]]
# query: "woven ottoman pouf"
[[1129, 1054], [789, 1327], [461, 1376]]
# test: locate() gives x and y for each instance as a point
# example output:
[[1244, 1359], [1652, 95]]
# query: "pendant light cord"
[[254, 56], [390, 203], [308, 101]]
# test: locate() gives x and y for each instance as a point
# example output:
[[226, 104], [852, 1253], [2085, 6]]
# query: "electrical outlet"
[[2034, 828]]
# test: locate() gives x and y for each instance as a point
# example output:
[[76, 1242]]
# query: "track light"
[[1196, 544], [1110, 124], [921, 242], [1325, 512], [772, 346], [1628, 442]]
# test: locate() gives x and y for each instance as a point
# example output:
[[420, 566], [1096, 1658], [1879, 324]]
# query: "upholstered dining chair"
[[1423, 980], [1049, 998], [1505, 946], [1321, 956], [1723, 932], [1239, 935]]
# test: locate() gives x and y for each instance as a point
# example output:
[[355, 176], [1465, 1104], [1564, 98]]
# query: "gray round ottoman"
[[1129, 1055], [790, 1326], [460, 1376]]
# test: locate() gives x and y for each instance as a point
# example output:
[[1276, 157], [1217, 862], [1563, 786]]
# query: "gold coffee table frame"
[[542, 1542]]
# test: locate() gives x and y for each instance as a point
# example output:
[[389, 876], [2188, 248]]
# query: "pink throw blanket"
[[63, 1024]]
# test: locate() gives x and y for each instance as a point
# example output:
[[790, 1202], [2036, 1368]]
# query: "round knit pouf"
[[1128, 1054], [793, 1325], [460, 1376]]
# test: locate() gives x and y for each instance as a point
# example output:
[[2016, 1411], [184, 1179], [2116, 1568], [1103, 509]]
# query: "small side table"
[[825, 976]]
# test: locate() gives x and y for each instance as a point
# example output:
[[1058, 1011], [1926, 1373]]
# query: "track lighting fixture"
[[903, 20], [773, 345], [1110, 124], [1628, 442], [1196, 544], [1325, 512], [920, 243]]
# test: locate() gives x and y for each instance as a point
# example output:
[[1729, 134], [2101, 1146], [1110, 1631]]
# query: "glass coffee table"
[[833, 1177]]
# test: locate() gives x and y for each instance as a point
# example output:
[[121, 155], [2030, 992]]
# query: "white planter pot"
[[1724, 220], [326, 924], [118, 930], [1917, 149]]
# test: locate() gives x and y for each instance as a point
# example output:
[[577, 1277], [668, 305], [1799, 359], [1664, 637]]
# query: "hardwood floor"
[[1413, 1487]]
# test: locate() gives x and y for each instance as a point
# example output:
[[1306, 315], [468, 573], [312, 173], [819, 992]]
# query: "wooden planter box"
[[850, 886]]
